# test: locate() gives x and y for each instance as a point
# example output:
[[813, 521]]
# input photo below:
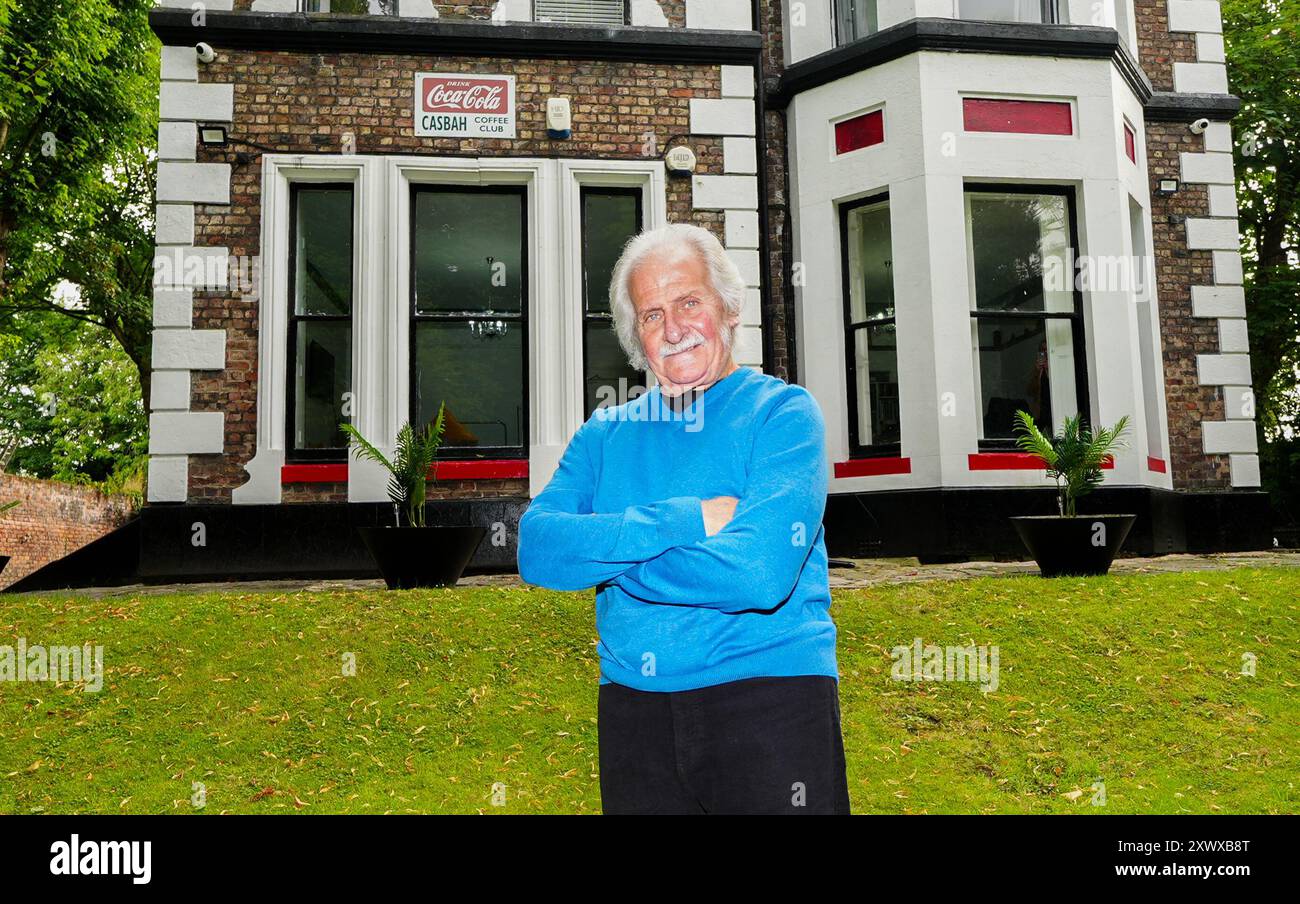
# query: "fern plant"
[[1073, 457], [408, 469]]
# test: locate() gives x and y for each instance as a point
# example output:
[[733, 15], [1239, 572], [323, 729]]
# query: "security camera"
[[205, 53], [1199, 127]]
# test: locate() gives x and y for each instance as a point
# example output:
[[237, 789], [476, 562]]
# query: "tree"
[[1262, 40]]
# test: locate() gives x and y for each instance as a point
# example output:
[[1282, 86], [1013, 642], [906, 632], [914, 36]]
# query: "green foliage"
[[1073, 457], [408, 469], [71, 398], [1262, 42], [9, 506]]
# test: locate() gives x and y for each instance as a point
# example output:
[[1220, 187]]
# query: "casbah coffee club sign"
[[464, 105]]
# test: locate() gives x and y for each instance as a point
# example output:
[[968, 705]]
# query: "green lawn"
[[1133, 680]]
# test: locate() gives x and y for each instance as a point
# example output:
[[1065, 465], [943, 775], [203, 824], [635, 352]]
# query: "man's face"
[[681, 321]]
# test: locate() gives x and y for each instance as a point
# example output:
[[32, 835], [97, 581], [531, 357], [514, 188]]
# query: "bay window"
[[321, 288], [469, 304], [610, 217], [1026, 321], [871, 340]]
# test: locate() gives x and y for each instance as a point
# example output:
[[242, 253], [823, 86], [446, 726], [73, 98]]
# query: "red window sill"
[[443, 470], [1157, 464], [872, 467], [1014, 461]]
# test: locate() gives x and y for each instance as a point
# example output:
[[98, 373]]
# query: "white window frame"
[[381, 322]]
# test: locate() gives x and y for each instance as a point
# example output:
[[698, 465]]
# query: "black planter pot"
[[411, 557], [1082, 546]]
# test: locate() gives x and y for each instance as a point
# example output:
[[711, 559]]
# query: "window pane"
[[1002, 10], [871, 263], [1025, 364], [855, 19], [468, 250], [585, 12], [876, 349], [323, 365], [323, 251], [1021, 248], [476, 368], [609, 220], [610, 381]]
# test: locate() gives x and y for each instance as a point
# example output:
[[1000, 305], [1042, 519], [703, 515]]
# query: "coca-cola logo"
[[465, 96]]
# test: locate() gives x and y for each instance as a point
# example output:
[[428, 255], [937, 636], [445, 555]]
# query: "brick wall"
[[307, 102], [55, 519], [1178, 269]]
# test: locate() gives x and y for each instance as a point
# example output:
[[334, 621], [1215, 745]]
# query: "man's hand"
[[718, 512]]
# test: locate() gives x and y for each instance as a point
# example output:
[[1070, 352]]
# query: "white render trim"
[[1195, 15], [177, 141], [174, 224], [740, 156], [737, 81], [186, 349], [1212, 168], [646, 14], [1218, 301], [1225, 437], [1218, 234], [186, 432], [1245, 470], [725, 192], [1233, 336], [722, 116], [1209, 48], [170, 390], [194, 102], [1201, 78], [168, 478], [216, 5], [1223, 370], [742, 229], [730, 15], [1227, 268]]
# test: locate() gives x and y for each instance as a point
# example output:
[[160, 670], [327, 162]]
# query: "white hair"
[[724, 277]]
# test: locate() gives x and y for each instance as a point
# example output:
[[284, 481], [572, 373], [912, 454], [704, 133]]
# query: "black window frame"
[[1077, 335], [472, 453], [292, 452], [588, 317], [856, 449]]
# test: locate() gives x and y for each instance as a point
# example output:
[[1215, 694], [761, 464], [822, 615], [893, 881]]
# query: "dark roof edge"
[[962, 36], [305, 33], [1167, 106]]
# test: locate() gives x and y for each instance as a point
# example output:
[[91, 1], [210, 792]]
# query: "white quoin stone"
[[1218, 301], [728, 116], [196, 102], [725, 192], [168, 478], [180, 349], [186, 432], [1223, 437]]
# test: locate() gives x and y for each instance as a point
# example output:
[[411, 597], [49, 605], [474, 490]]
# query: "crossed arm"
[[662, 553]]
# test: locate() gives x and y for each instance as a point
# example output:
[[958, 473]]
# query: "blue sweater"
[[675, 608]]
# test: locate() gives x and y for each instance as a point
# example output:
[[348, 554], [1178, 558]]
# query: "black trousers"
[[757, 746]]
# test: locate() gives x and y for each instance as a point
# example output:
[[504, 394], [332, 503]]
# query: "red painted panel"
[[1035, 117], [1014, 461], [443, 470], [860, 132], [872, 467], [1156, 464], [1130, 143]]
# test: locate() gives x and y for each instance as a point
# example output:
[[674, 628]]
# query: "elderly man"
[[696, 511]]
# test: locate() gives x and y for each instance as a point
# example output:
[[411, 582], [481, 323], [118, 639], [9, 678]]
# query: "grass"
[[1133, 681]]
